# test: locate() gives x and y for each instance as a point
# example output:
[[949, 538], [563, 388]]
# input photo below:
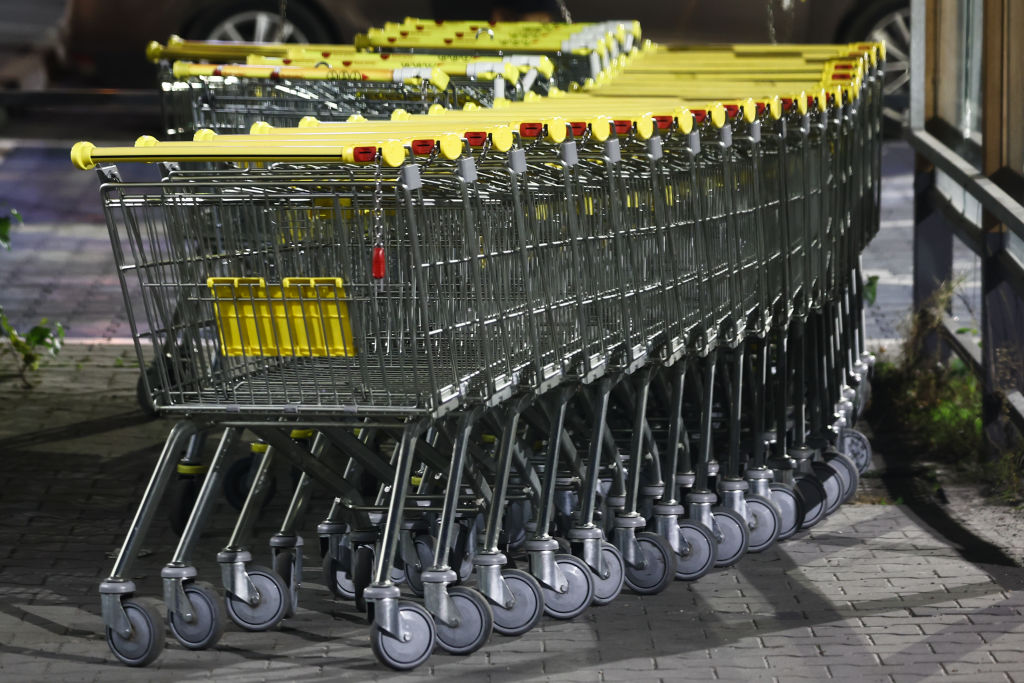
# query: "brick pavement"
[[869, 594]]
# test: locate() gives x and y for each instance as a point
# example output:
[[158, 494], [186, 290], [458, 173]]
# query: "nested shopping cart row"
[[533, 354]]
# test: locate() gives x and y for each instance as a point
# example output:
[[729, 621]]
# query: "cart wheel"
[[415, 641], [764, 523], [238, 480], [271, 607], [424, 545], [337, 579], [208, 621], [848, 471], [362, 571], [812, 491], [697, 556], [527, 609], [579, 592], [147, 639], [732, 535], [791, 507], [857, 447], [607, 589], [285, 562], [476, 621], [831, 479], [659, 565], [184, 492]]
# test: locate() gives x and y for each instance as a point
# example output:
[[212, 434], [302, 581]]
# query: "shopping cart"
[[482, 323]]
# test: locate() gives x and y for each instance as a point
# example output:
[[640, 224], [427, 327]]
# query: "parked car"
[[108, 36]]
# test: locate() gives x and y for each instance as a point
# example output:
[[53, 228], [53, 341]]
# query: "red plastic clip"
[[422, 146], [476, 138], [530, 130], [364, 153], [380, 263], [664, 122]]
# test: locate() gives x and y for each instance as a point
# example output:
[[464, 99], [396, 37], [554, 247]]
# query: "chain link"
[[378, 200], [565, 11]]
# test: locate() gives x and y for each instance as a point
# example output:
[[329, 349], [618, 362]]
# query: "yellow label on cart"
[[303, 316]]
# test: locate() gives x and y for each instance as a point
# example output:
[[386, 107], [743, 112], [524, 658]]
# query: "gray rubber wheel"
[[697, 551], [287, 564], [528, 607], [415, 643], [732, 535], [337, 580], [208, 621], [659, 565], [579, 592], [476, 621], [608, 588], [764, 521], [855, 445], [147, 639], [812, 491], [791, 508], [832, 479], [424, 560], [271, 607], [848, 472]]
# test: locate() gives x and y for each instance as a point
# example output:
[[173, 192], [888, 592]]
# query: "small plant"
[[40, 341]]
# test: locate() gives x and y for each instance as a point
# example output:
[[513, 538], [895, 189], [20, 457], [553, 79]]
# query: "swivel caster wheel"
[[527, 609], [208, 618], [414, 643], [812, 491], [849, 474], [791, 508], [424, 560], [146, 642], [579, 592], [659, 565], [608, 588], [288, 565], [830, 478], [271, 607], [697, 551], [476, 621], [733, 537], [337, 578], [765, 523]]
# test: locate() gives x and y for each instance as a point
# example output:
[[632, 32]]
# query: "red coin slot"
[[698, 115], [530, 130], [843, 66], [422, 146], [761, 107], [276, 74], [217, 71], [810, 100], [364, 153], [447, 41], [578, 128], [439, 22], [380, 263], [473, 28], [385, 55], [419, 27], [347, 62], [732, 110], [476, 138], [840, 77], [787, 103], [286, 61], [366, 77], [325, 54], [459, 34], [663, 122], [392, 39], [404, 34], [623, 126]]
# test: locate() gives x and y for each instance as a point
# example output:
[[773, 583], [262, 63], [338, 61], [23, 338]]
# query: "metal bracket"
[[755, 131], [567, 153], [237, 582], [492, 584], [547, 572], [437, 600], [517, 161], [693, 142], [467, 169], [654, 150], [114, 616], [725, 135], [612, 150], [625, 541], [410, 175], [177, 601]]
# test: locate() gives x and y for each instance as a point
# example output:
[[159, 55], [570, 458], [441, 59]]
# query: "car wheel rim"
[[894, 29], [257, 26]]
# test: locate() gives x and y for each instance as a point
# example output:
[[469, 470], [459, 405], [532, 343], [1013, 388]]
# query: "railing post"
[[933, 252]]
